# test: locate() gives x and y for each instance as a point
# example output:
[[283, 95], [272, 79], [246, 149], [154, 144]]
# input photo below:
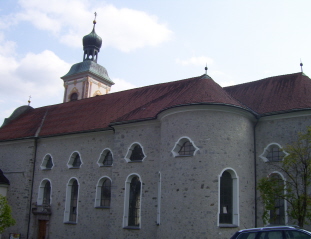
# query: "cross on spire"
[[94, 22]]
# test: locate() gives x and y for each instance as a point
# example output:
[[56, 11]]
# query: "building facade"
[[173, 160]]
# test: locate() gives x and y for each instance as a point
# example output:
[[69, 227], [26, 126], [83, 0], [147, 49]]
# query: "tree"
[[6, 219], [296, 189]]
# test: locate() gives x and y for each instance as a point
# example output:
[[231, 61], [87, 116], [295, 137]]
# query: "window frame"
[[130, 151], [72, 158], [235, 199], [267, 149], [98, 195], [45, 161], [126, 213], [180, 143], [68, 202], [41, 192], [102, 157]]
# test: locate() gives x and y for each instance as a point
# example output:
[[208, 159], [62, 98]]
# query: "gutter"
[[255, 169]]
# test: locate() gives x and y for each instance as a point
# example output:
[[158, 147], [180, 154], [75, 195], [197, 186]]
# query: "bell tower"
[[87, 78]]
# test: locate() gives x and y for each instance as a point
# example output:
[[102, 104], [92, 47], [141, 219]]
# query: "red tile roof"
[[274, 94]]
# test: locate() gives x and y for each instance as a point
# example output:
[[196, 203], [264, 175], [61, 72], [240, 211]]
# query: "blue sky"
[[148, 42]]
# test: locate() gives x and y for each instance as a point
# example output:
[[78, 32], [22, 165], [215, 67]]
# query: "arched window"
[[184, 147], [74, 201], [71, 205], [277, 215], [273, 153], [105, 159], [228, 199], [47, 162], [132, 202], [73, 97], [135, 153], [103, 193], [74, 160], [47, 193], [44, 194]]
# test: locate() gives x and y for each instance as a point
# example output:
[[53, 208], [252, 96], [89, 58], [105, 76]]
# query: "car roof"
[[270, 228]]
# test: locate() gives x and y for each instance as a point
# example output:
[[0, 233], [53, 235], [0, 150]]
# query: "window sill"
[[228, 225], [74, 167], [136, 161], [70, 223], [131, 228], [181, 156], [102, 207], [46, 169], [105, 166]]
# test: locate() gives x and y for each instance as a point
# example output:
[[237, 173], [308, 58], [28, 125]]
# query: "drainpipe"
[[36, 137], [32, 183], [255, 169]]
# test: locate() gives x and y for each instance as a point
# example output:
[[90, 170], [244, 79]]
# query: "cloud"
[[197, 61], [121, 28], [121, 85], [37, 75]]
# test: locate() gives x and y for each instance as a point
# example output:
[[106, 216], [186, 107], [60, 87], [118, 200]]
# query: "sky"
[[148, 42]]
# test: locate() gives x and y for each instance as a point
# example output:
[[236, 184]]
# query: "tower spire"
[[91, 44]]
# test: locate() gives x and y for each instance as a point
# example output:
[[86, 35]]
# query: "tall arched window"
[[44, 194], [47, 193], [132, 202], [277, 216], [103, 193], [228, 199], [74, 201], [71, 204]]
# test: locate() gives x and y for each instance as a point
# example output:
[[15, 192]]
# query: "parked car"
[[279, 232]]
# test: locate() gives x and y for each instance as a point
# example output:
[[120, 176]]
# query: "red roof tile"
[[99, 112], [268, 96], [275, 94]]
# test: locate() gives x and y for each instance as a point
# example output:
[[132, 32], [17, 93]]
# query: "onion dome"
[[91, 45]]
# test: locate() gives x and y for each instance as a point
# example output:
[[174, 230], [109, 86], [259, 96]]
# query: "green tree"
[[296, 167], [6, 219]]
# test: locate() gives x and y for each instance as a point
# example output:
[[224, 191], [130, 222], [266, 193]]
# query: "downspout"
[[33, 170], [255, 170]]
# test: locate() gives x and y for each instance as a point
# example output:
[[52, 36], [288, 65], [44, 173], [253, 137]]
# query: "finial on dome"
[[301, 65], [94, 22], [29, 100], [206, 69]]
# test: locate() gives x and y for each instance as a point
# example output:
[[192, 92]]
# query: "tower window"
[[73, 97]]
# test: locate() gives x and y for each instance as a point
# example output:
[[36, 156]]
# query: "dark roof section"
[[273, 95], [3, 179], [98, 113]]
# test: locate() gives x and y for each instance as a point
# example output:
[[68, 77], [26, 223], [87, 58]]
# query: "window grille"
[[275, 154], [134, 202], [137, 154], [105, 193], [186, 149]]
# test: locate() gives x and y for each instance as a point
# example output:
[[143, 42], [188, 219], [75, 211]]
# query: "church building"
[[174, 160]]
